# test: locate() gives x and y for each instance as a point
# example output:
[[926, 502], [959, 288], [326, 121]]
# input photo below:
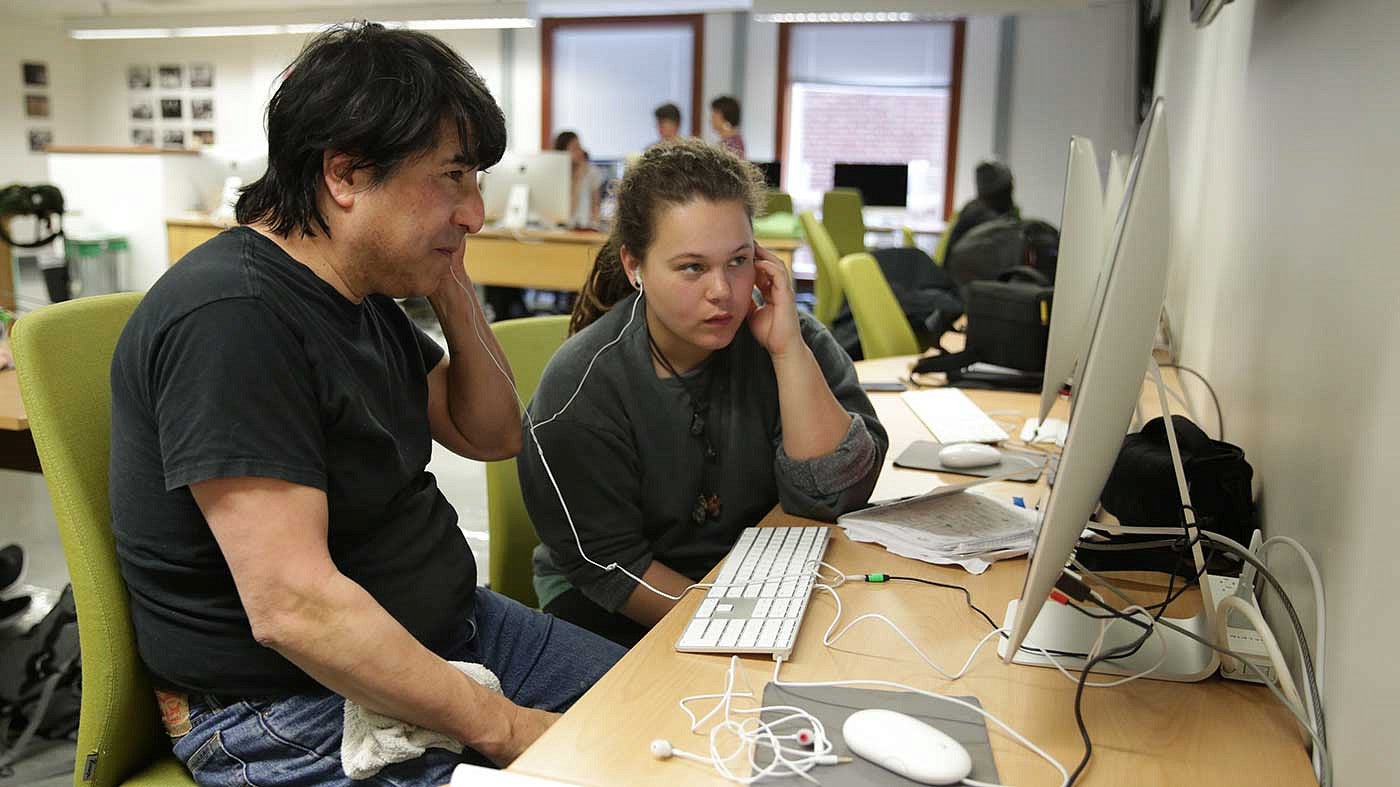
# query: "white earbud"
[[661, 749], [638, 282]]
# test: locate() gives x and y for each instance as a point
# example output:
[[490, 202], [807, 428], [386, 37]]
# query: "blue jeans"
[[542, 662]]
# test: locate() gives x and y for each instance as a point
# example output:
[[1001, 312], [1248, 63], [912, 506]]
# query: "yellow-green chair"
[[828, 283], [63, 354], [528, 342], [940, 251], [880, 321], [778, 202], [910, 242], [843, 220]]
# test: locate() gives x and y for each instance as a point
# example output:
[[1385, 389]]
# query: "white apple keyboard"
[[952, 417], [760, 595]]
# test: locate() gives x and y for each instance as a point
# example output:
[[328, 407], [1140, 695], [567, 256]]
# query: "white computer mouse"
[[907, 746], [960, 456]]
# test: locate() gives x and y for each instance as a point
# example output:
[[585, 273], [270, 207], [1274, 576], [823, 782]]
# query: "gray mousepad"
[[832, 704], [923, 455]]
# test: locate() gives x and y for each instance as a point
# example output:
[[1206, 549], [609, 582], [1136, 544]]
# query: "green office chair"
[[940, 251], [778, 202], [63, 354], [828, 283], [880, 322], [842, 218], [529, 343]]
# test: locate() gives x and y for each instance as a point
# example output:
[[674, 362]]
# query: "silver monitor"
[[548, 175], [1108, 387], [1081, 258]]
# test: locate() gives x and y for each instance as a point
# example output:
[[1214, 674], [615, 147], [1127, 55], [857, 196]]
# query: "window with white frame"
[[869, 94]]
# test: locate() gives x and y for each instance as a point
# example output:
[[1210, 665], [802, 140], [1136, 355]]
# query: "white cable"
[[1256, 620], [1320, 640]]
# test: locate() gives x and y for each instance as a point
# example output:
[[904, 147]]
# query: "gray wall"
[[1282, 118]]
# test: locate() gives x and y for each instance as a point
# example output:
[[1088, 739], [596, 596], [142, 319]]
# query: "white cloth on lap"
[[372, 740]]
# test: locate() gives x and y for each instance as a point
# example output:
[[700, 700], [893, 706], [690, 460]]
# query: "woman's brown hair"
[[668, 174]]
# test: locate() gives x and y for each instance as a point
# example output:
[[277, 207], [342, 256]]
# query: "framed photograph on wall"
[[36, 106], [201, 109], [172, 108], [172, 76], [143, 135], [202, 75], [36, 74], [203, 136], [172, 138], [40, 138], [142, 109], [138, 76]]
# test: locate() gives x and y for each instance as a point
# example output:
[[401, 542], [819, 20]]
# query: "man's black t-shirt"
[[242, 362]]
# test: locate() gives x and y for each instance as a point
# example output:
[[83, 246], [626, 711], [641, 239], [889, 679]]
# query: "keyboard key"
[[760, 609], [768, 635], [707, 607], [693, 632], [730, 636], [780, 608], [749, 637], [723, 607]]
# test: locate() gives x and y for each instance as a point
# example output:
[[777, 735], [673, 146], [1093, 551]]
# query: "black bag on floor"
[[921, 287], [40, 681]]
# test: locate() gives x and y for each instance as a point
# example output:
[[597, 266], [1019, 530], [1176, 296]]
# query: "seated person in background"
[[994, 185], [273, 412], [668, 123], [587, 181], [724, 119], [701, 411]]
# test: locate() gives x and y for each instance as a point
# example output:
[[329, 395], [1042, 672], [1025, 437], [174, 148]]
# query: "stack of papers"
[[949, 526]]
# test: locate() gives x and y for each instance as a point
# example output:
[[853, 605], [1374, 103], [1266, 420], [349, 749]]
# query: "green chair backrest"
[[529, 343], [778, 202], [63, 354], [828, 283], [940, 252], [880, 321], [842, 217]]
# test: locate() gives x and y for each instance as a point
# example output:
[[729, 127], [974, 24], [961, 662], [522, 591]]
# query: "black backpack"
[[43, 202], [994, 247], [40, 681]]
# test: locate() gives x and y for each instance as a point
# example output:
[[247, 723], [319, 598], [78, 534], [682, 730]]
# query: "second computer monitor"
[[1110, 380], [880, 185], [548, 175]]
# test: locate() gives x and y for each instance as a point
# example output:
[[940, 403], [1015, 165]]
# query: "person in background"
[[668, 122], [704, 411], [994, 185], [587, 182], [724, 119]]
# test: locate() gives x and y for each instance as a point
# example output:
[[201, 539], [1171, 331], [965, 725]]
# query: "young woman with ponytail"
[[702, 408]]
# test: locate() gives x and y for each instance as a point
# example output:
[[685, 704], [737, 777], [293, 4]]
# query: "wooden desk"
[[540, 259], [1145, 733], [16, 442]]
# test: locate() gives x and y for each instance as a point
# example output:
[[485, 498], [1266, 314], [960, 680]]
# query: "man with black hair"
[[668, 122], [273, 411], [994, 186]]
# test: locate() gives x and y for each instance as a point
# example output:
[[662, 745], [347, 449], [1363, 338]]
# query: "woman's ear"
[[631, 267]]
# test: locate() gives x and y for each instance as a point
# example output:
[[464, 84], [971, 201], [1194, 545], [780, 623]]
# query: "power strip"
[[1242, 639]]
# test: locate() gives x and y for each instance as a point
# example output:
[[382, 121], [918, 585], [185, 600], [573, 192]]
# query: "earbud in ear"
[[661, 749], [638, 282]]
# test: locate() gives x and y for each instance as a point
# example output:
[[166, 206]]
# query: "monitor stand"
[[1059, 628]]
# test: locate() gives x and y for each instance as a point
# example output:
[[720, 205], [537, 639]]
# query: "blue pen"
[[1019, 501]]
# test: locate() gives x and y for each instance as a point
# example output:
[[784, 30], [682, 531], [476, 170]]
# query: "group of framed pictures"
[[170, 98], [36, 104]]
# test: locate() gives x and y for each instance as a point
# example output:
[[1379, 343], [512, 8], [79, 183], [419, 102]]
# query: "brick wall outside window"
[[862, 125]]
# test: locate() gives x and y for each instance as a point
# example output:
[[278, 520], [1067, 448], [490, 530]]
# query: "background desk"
[[541, 259], [16, 443], [1145, 733]]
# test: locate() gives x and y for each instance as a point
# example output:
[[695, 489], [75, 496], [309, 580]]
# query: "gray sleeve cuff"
[[848, 465], [611, 589]]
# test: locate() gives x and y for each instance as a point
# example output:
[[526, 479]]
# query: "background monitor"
[[1113, 191], [1110, 382], [1081, 258], [772, 173], [549, 176], [880, 185]]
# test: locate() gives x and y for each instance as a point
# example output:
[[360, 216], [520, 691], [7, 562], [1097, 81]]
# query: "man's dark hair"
[[378, 95], [562, 141], [728, 108], [669, 112]]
